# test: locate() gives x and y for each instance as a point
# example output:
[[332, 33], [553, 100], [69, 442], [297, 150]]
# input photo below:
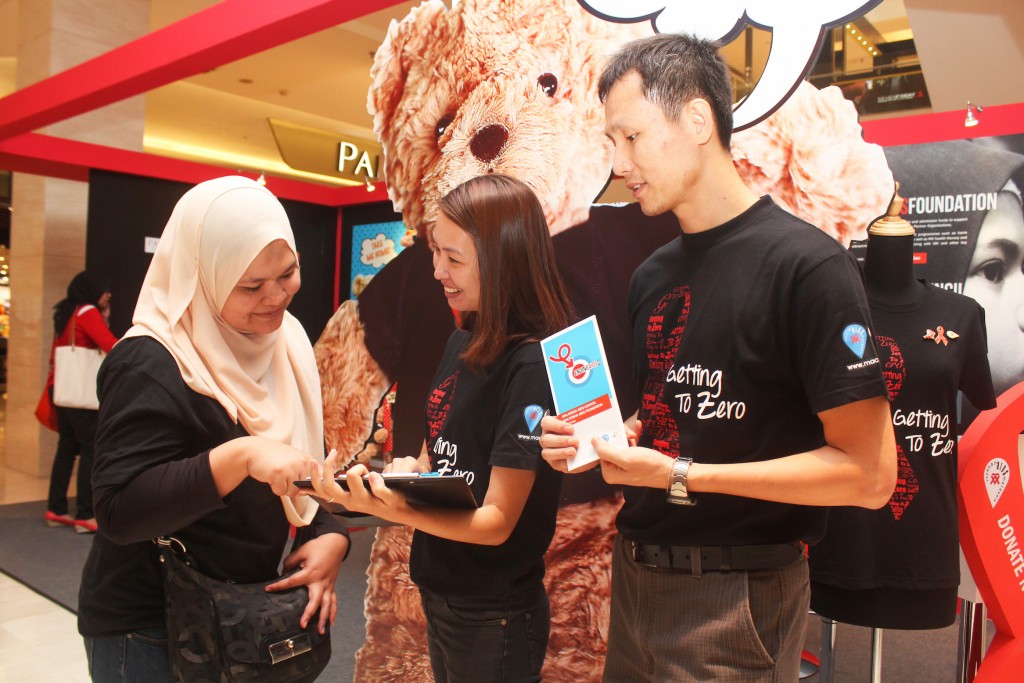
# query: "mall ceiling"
[[320, 81]]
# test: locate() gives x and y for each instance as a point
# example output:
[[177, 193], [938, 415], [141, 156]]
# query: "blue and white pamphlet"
[[581, 385]]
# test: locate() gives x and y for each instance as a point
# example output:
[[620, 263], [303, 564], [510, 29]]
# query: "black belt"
[[717, 558]]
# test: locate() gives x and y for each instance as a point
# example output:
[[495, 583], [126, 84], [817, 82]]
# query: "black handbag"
[[220, 632]]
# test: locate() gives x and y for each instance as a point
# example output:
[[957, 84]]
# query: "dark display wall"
[[126, 209]]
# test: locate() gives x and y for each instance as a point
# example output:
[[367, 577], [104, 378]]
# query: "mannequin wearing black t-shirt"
[[934, 341], [888, 268]]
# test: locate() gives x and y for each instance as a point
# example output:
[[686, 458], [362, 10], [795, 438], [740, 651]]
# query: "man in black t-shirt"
[[759, 388]]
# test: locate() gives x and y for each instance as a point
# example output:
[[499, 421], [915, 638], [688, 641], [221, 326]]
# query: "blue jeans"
[[487, 640], [138, 657]]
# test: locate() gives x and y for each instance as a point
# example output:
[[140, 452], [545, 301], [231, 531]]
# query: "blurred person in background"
[[87, 304]]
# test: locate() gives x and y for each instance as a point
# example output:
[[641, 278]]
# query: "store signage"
[[991, 501], [328, 153], [356, 161], [798, 27], [888, 93]]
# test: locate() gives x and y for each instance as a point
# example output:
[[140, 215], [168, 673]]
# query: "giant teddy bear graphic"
[[510, 86]]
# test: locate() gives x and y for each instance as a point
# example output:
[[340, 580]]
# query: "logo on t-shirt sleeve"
[[855, 336], [532, 415], [856, 339]]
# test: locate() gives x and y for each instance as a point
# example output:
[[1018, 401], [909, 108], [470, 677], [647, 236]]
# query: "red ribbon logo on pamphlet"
[[578, 369]]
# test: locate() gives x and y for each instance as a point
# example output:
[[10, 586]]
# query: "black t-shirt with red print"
[[476, 421], [742, 334], [930, 349]]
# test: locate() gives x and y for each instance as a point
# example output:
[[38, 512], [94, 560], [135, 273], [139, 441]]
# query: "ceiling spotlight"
[[971, 119], [262, 180], [370, 187]]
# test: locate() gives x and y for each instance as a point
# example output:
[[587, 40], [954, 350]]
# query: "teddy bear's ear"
[[408, 42]]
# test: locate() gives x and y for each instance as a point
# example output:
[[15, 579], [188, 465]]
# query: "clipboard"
[[428, 489]]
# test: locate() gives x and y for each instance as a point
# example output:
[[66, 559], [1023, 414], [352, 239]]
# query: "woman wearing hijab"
[[210, 409], [86, 303]]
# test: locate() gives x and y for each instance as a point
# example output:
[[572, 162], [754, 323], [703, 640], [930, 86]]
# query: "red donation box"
[[991, 502]]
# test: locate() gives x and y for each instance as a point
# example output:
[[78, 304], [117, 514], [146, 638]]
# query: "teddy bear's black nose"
[[488, 142]]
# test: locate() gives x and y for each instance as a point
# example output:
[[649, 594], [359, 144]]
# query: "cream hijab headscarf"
[[268, 382]]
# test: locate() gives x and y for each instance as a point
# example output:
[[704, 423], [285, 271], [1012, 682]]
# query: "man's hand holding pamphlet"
[[582, 388]]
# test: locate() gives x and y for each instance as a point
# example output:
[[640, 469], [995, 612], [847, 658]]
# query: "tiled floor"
[[39, 642]]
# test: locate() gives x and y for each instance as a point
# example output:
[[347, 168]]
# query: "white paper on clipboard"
[[582, 388]]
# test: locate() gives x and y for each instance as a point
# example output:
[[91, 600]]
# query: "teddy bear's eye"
[[548, 84], [443, 124]]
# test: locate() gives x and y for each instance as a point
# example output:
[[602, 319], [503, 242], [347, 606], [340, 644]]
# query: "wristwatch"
[[677, 492]]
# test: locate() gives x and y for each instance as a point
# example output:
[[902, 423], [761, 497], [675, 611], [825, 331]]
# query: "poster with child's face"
[[963, 198]]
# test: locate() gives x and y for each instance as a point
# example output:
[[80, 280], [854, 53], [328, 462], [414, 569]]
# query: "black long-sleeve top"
[[152, 477]]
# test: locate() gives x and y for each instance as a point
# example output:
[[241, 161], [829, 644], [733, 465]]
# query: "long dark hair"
[[522, 298], [84, 288]]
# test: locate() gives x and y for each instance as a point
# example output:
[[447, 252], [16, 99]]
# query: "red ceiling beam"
[[72, 160], [1004, 119], [228, 31]]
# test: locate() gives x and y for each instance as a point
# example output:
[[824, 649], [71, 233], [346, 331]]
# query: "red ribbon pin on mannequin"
[[940, 335]]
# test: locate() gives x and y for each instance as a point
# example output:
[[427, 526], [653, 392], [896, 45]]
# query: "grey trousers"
[[738, 626]]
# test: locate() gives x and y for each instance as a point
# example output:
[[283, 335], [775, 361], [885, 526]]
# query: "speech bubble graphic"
[[798, 27], [378, 251]]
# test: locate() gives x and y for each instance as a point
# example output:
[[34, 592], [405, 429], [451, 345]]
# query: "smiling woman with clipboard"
[[480, 571]]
